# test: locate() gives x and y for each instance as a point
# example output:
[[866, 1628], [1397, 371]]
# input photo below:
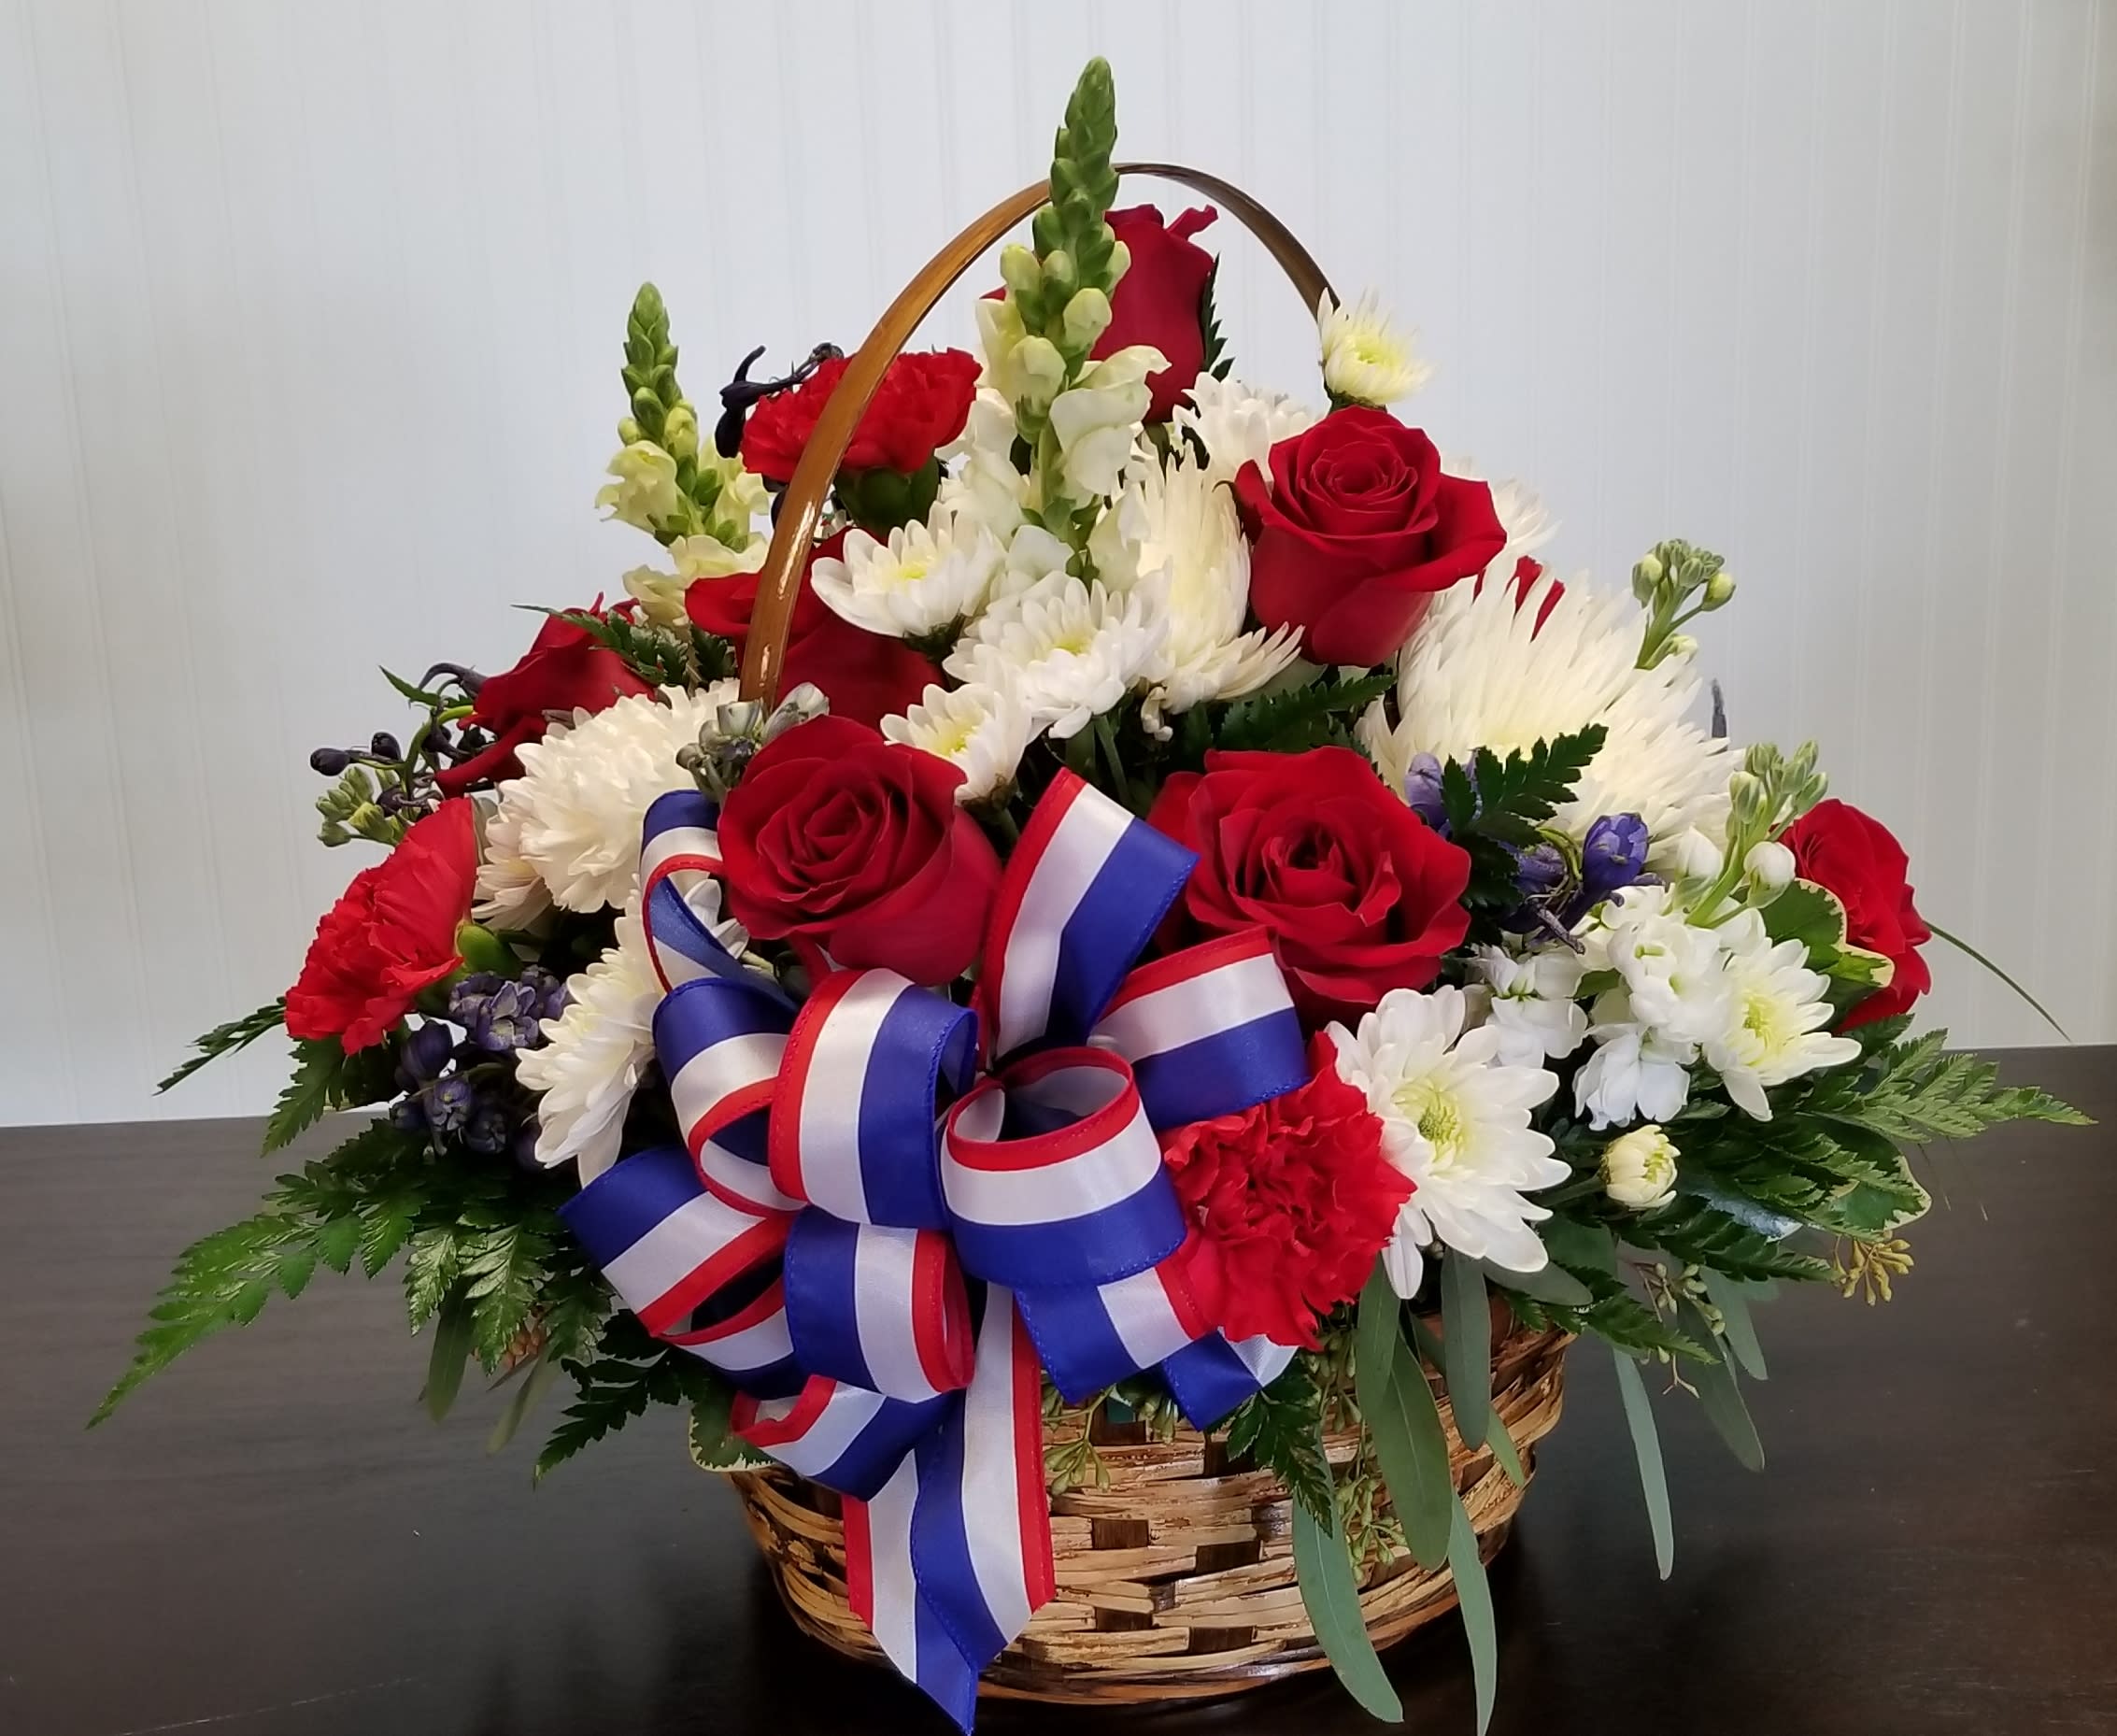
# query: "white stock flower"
[[1632, 1073], [1069, 649], [983, 731], [1692, 856], [646, 490], [1098, 420], [1770, 867], [925, 579], [1638, 1168], [573, 817], [593, 1056], [1674, 971], [1238, 424], [1455, 1120], [1365, 359], [1777, 1014], [1480, 672], [1530, 1002], [1172, 538]]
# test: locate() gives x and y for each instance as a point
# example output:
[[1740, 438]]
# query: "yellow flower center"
[[913, 569], [1436, 1116], [1770, 1020]]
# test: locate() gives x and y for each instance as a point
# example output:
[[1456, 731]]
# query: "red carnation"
[[1159, 300], [391, 934], [1856, 857], [566, 669], [920, 405], [866, 675], [1295, 1199]]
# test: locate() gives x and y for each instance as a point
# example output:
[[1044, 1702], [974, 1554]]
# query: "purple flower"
[[549, 988], [409, 1116], [1539, 871], [424, 1055], [505, 1019], [448, 1103], [1613, 856], [467, 998], [489, 1131], [1422, 791]]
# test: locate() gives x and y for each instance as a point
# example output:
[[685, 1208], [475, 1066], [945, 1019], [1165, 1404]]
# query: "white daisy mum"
[[593, 1056], [573, 817], [981, 730], [1480, 672], [925, 579], [1238, 424], [1365, 358], [1455, 1120], [1069, 649], [1777, 1014]]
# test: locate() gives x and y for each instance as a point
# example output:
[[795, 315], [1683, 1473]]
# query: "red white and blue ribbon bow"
[[893, 1213]]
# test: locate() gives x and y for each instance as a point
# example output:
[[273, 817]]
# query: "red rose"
[[564, 670], [836, 838], [1359, 894], [920, 405], [389, 935], [1356, 529], [1295, 1199], [866, 675], [1159, 300], [1856, 857]]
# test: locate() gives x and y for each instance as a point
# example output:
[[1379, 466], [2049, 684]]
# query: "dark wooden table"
[[272, 1537]]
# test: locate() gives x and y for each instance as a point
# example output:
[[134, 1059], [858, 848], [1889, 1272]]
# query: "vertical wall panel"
[[312, 337]]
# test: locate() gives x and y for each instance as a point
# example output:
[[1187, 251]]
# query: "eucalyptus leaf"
[[1403, 1422], [1502, 1445], [529, 1391], [1646, 1448], [1721, 1394], [453, 1329], [1330, 1593], [1554, 1284], [1474, 1597], [1733, 1302], [1466, 1347]]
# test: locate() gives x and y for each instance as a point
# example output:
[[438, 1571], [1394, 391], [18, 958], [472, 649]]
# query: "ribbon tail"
[[883, 1591], [1210, 1377]]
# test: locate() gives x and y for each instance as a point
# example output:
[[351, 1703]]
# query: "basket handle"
[[801, 506]]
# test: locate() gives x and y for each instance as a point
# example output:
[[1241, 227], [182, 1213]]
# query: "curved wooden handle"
[[779, 579]]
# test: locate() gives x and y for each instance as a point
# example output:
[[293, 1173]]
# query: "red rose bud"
[[838, 839], [390, 935], [1857, 858], [1356, 531], [865, 676], [1161, 299], [566, 669], [1358, 893], [921, 404]]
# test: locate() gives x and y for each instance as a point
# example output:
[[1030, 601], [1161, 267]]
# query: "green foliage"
[[326, 1079], [1721, 1393], [1402, 1422], [1700, 1234], [1467, 1348], [711, 1436], [1279, 1429], [1646, 1449], [1330, 1593], [1474, 1597], [1083, 183], [237, 1033], [1216, 361], [1495, 805], [1918, 1092], [1616, 1317], [1815, 915], [660, 656], [1971, 953], [627, 1371], [1313, 715]]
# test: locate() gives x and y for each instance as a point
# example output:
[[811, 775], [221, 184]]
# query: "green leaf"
[[1646, 1448], [529, 1393], [1502, 1445], [1330, 1593], [1721, 1395], [713, 1444], [1731, 1296], [633, 1371], [1701, 1234], [1474, 1596], [1963, 946], [502, 1269], [1280, 1428], [1554, 1284], [1301, 718], [1917, 1093], [430, 1270], [1809, 913], [319, 1064], [1466, 1347], [1396, 1407], [237, 1033], [337, 1241], [417, 694], [451, 1351]]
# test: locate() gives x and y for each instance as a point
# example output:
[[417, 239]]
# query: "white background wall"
[[309, 326]]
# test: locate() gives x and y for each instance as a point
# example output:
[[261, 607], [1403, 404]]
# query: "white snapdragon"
[[662, 595], [1071, 649], [982, 729], [1529, 1000], [1098, 420], [1365, 359], [1639, 1169], [1776, 1016], [986, 487], [1238, 424], [927, 578], [646, 491]]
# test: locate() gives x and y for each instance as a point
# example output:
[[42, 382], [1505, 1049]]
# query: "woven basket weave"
[[1177, 1580]]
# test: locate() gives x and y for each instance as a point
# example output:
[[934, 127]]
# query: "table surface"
[[272, 1537]]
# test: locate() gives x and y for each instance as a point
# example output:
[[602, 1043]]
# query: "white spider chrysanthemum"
[[1069, 649], [593, 1056], [1238, 424], [1098, 421], [1365, 358], [1479, 672], [1455, 1120], [983, 731], [573, 817], [925, 579], [1173, 538], [1775, 1030]]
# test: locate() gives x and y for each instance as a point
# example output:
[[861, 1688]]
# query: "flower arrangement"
[[1213, 911]]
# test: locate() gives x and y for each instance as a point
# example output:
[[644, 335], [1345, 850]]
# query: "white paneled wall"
[[309, 326]]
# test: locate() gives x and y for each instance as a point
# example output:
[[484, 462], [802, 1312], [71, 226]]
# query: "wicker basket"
[[1176, 1581]]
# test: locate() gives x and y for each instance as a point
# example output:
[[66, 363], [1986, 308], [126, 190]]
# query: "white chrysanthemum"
[[1238, 424], [1365, 359], [593, 1056], [1455, 1120], [1098, 420], [1071, 649], [1529, 1001], [511, 894], [1172, 538], [1776, 1016], [1480, 672], [573, 817], [925, 579], [646, 489], [981, 730], [986, 487]]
